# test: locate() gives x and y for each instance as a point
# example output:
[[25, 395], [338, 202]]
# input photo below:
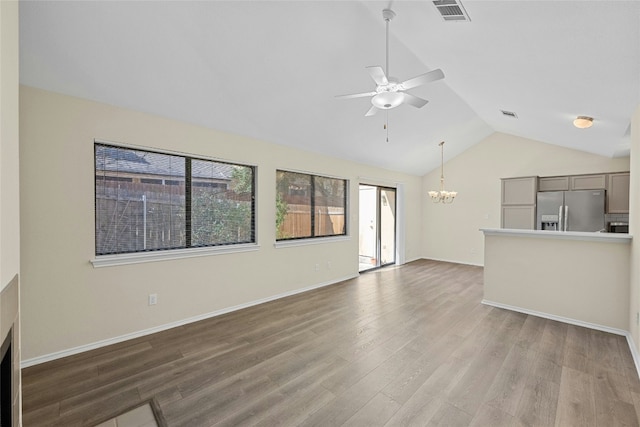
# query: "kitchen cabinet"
[[618, 193], [518, 209], [519, 191], [588, 182], [519, 195], [522, 217], [553, 183]]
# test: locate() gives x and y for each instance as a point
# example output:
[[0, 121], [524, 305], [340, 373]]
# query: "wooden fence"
[[297, 222], [124, 225]]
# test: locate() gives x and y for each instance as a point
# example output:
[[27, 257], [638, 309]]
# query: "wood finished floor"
[[410, 345]]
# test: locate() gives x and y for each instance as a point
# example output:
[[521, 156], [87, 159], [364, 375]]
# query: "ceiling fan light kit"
[[387, 100], [389, 92], [583, 122]]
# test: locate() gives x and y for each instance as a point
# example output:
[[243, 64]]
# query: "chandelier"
[[442, 196]]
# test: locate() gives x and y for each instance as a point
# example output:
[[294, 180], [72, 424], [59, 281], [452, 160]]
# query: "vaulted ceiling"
[[271, 70]]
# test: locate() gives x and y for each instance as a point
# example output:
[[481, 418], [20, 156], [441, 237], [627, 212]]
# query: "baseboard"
[[616, 331], [454, 262], [103, 343], [634, 353], [562, 319]]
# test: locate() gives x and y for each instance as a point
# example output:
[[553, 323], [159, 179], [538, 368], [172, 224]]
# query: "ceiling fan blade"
[[371, 111], [356, 95], [422, 79], [378, 76], [414, 100]]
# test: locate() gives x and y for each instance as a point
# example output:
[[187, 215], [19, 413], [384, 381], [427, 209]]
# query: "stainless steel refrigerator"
[[570, 210]]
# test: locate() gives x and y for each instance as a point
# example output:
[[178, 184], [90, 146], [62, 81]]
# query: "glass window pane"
[[140, 200], [222, 203], [145, 201], [329, 209], [293, 205]]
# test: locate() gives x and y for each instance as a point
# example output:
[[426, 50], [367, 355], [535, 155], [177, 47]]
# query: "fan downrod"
[[389, 92]]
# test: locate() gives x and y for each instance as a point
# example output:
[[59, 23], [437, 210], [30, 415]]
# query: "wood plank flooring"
[[402, 346]]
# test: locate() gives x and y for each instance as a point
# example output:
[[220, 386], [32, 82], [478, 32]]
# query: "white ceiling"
[[271, 69]]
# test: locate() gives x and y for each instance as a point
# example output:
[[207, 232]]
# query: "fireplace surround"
[[10, 380], [6, 381]]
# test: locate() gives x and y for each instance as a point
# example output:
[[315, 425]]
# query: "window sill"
[[311, 241], [140, 257]]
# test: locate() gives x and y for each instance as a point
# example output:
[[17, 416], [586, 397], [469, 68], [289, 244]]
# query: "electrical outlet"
[[317, 267], [328, 265], [153, 299], [637, 318], [473, 250]]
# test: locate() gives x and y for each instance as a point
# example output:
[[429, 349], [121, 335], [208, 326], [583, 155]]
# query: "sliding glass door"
[[377, 226]]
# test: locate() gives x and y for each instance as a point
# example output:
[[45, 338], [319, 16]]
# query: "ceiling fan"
[[390, 93]]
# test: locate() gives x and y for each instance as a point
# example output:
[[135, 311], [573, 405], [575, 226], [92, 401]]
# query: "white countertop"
[[566, 235]]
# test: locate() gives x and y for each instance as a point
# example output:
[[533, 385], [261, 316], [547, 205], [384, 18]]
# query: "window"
[[309, 206], [149, 201]]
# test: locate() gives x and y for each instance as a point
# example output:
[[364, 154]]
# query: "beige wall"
[[9, 175], [586, 281], [68, 303], [634, 228], [9, 193], [451, 232]]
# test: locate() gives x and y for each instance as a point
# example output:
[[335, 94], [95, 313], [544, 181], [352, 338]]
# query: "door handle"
[[566, 217], [560, 218]]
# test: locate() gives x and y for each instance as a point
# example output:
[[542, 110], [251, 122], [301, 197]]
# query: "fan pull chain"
[[386, 124]]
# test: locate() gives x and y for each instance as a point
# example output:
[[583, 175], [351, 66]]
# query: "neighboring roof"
[[114, 159]]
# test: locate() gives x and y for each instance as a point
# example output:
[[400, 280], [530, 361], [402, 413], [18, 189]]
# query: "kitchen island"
[[575, 277]]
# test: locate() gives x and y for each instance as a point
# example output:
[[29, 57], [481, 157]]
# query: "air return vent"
[[451, 10]]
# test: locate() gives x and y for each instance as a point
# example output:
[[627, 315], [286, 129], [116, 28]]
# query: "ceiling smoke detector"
[[451, 10]]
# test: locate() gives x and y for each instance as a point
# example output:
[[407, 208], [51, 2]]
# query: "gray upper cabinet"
[[553, 183], [588, 182], [618, 193], [519, 191]]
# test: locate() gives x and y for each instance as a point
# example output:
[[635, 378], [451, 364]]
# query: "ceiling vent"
[[451, 10], [509, 114]]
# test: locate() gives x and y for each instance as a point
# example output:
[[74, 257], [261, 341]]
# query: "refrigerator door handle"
[[560, 218], [566, 217]]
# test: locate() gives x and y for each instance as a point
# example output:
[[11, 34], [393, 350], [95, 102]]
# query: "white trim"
[[310, 241], [103, 343], [454, 262], [566, 235], [364, 180], [562, 319], [634, 353], [153, 256], [401, 225]]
